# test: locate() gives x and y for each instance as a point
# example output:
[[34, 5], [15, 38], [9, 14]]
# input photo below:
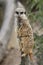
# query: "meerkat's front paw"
[[23, 55]]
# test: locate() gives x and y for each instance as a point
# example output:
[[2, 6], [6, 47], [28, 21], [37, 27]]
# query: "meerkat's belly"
[[26, 45]]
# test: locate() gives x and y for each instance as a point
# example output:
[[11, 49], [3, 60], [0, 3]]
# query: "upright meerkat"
[[25, 33]]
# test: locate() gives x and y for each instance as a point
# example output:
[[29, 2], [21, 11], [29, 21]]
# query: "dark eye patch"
[[21, 12], [24, 12], [17, 12]]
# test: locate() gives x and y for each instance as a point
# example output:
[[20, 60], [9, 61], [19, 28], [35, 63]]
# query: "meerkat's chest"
[[23, 30]]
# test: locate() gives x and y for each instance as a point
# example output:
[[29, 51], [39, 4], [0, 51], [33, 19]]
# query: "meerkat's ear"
[[20, 5]]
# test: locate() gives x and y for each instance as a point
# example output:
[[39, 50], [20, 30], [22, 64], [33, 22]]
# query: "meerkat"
[[25, 33]]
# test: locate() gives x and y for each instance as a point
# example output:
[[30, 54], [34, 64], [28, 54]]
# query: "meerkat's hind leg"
[[31, 56]]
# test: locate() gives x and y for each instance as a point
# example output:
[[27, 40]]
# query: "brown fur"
[[26, 40]]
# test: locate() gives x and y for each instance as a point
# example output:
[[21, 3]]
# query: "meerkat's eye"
[[17, 12], [21, 12], [24, 12]]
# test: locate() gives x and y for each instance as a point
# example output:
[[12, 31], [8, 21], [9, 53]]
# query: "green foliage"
[[34, 9], [39, 47]]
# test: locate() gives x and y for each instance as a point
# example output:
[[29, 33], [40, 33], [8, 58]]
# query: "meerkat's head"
[[20, 13]]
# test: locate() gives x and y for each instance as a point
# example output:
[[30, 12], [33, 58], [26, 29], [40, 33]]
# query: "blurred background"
[[35, 14]]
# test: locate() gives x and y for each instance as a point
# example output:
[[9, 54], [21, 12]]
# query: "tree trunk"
[[7, 26]]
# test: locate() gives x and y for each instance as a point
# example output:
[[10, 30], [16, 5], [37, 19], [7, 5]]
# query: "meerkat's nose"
[[18, 17]]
